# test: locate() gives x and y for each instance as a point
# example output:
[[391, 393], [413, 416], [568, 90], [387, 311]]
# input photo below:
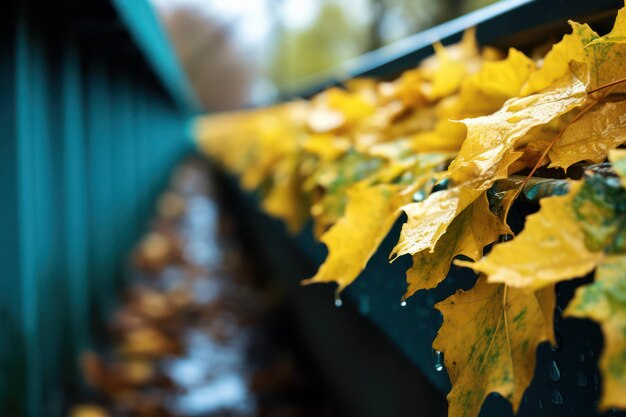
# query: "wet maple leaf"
[[473, 229], [495, 82], [480, 93], [445, 71], [428, 220], [568, 237], [591, 136], [556, 62], [600, 62], [370, 213], [551, 248], [371, 210], [490, 137], [489, 338]]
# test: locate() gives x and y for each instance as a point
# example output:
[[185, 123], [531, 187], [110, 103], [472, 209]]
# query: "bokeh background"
[[238, 52]]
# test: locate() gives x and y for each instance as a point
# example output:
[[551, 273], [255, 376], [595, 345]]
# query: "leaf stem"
[[552, 143], [557, 137], [611, 84]]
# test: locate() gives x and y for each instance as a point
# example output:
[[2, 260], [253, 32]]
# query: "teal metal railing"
[[91, 122]]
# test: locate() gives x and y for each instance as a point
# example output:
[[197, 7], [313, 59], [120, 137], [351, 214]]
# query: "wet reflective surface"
[[200, 331]]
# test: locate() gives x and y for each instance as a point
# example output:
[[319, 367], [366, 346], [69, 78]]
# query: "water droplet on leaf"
[[418, 196], [437, 360]]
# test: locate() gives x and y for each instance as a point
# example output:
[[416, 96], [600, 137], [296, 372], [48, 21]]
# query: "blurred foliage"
[[330, 40], [336, 36]]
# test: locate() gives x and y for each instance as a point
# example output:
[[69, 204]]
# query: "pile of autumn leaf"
[[431, 144]]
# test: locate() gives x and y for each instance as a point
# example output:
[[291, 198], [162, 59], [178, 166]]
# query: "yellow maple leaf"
[[591, 136], [371, 210], [489, 338], [603, 302], [447, 76], [486, 91], [406, 89], [472, 230], [480, 93], [429, 219], [551, 248], [555, 64], [370, 213], [336, 108], [446, 70], [490, 137], [601, 61]]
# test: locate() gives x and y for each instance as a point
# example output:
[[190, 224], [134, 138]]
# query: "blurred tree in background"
[[331, 38], [217, 70]]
